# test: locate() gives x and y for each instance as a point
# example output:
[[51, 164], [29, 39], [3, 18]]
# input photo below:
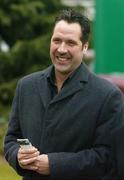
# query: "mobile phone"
[[24, 143]]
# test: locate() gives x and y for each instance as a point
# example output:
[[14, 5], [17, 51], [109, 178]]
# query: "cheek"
[[78, 56], [77, 52], [51, 52], [53, 49]]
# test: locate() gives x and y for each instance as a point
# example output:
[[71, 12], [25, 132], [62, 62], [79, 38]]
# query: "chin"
[[63, 70]]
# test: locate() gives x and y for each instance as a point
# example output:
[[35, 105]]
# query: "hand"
[[42, 164], [27, 157]]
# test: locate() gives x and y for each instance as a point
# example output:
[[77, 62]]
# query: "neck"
[[60, 79]]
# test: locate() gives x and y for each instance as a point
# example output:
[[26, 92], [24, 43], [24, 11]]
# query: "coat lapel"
[[75, 84], [43, 87]]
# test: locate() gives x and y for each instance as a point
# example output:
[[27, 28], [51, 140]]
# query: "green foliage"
[[26, 19], [7, 92], [5, 67], [29, 53], [20, 19], [2, 133]]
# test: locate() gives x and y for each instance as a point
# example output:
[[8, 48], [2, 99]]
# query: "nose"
[[62, 48]]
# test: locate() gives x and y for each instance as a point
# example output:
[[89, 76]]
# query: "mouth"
[[62, 59]]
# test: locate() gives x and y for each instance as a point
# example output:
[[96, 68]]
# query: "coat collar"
[[81, 75], [75, 84]]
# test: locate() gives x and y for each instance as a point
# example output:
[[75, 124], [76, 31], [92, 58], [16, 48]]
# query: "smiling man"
[[66, 50], [67, 112]]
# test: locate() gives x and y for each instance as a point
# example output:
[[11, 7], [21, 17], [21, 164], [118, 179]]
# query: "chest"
[[59, 124]]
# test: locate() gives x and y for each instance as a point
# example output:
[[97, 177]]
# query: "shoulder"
[[96, 82], [31, 78], [102, 85]]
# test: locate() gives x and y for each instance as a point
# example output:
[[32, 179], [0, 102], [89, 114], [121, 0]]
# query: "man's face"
[[66, 49]]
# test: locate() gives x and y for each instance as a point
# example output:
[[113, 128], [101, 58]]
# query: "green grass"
[[6, 172]]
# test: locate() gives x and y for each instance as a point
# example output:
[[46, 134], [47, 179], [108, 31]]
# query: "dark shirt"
[[51, 81]]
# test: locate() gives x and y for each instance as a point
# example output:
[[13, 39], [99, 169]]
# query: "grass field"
[[6, 172]]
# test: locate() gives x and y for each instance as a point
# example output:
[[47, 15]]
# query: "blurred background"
[[25, 31]]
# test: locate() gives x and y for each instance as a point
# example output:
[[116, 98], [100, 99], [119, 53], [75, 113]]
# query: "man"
[[66, 112]]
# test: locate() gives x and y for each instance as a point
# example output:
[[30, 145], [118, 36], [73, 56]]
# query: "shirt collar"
[[51, 74]]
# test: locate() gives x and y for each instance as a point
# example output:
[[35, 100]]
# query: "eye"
[[71, 43], [56, 40]]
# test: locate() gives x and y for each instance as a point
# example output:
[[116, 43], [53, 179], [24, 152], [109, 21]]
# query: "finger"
[[25, 162], [27, 153], [28, 156], [28, 150], [29, 167], [34, 168]]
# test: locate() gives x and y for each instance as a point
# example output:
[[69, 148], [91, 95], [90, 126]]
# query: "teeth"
[[62, 59]]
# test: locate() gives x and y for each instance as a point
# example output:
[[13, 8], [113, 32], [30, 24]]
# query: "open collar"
[[76, 83]]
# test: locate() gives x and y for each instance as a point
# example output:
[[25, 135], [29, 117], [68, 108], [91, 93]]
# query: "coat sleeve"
[[98, 160], [118, 146], [11, 146]]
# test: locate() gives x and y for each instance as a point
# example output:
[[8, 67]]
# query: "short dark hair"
[[72, 16]]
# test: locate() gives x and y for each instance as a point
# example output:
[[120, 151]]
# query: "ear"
[[85, 47]]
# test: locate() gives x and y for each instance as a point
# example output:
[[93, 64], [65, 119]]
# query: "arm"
[[23, 161], [11, 147], [118, 146]]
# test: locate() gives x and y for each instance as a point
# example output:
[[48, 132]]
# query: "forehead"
[[63, 27]]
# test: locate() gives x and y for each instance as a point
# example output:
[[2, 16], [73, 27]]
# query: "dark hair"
[[71, 16]]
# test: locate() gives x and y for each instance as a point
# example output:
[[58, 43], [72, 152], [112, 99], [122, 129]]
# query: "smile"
[[63, 60]]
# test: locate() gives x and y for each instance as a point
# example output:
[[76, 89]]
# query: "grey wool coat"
[[74, 128]]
